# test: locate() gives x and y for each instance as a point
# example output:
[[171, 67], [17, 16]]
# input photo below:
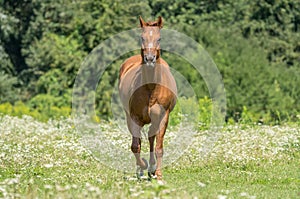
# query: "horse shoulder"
[[168, 75], [129, 63], [168, 96], [163, 63]]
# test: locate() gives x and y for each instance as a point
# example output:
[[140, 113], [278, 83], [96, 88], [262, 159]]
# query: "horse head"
[[150, 47]]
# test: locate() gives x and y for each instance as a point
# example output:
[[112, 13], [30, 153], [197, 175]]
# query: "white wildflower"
[[48, 186], [243, 194], [222, 197], [48, 165], [200, 184]]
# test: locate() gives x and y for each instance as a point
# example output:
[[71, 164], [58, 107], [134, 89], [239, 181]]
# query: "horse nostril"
[[150, 58]]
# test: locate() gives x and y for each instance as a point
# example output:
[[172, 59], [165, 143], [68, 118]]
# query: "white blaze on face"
[[150, 45]]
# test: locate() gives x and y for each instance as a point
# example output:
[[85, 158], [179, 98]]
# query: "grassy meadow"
[[58, 53], [46, 160]]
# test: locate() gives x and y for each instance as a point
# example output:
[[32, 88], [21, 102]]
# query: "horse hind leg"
[[152, 166]]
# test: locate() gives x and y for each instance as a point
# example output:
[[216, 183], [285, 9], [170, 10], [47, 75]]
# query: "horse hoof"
[[152, 176], [140, 175], [140, 170], [151, 171]]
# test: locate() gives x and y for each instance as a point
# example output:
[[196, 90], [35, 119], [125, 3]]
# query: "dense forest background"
[[254, 43]]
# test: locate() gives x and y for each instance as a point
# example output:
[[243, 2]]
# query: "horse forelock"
[[152, 23]]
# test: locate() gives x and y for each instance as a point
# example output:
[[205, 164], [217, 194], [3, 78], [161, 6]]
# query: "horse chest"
[[140, 103], [144, 98]]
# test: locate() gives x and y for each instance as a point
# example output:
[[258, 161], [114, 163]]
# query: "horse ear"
[[160, 22], [142, 22]]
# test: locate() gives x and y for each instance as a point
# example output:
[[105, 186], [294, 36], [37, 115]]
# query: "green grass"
[[262, 180], [46, 160]]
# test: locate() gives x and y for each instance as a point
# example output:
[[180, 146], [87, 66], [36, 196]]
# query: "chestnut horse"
[[148, 92]]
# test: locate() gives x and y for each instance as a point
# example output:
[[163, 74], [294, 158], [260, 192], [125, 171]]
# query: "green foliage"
[[6, 108], [54, 61], [7, 90], [205, 113], [49, 106], [199, 114], [176, 115], [9, 25], [18, 109], [5, 62], [55, 51], [255, 45], [41, 107]]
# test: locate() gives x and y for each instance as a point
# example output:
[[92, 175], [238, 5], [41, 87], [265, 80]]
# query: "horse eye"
[[143, 40], [158, 40]]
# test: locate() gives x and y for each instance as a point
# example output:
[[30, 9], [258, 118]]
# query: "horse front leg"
[[159, 122], [135, 131], [136, 150]]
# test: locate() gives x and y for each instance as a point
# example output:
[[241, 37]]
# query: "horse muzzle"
[[150, 60]]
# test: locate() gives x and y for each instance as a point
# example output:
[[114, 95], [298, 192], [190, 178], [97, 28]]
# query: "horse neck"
[[151, 74]]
